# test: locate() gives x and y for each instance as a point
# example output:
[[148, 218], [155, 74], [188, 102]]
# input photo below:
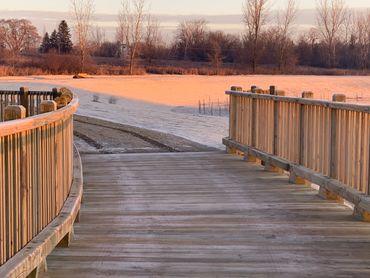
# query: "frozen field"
[[169, 103]]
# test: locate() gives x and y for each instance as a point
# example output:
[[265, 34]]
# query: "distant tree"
[[18, 35], [362, 30], [83, 11], [285, 21], [64, 38], [330, 20], [54, 41], [98, 38], [108, 49], [130, 29], [45, 44], [255, 17], [216, 49], [152, 39], [191, 40]]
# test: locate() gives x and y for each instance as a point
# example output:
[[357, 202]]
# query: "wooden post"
[[236, 89], [66, 241], [334, 148], [339, 98], [55, 92], [254, 122], [333, 137], [307, 95], [47, 106], [232, 117], [14, 112], [272, 90], [24, 99], [293, 178], [276, 118]]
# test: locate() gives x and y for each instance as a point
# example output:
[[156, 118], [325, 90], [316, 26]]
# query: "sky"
[[173, 7]]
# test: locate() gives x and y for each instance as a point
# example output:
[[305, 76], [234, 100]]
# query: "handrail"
[[36, 173], [321, 141], [29, 99]]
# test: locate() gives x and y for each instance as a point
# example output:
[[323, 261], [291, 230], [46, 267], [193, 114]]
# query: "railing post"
[[293, 178], [47, 106], [333, 172], [272, 90], [232, 119], [333, 137], [276, 119], [301, 126], [55, 93], [14, 112], [24, 101], [254, 122]]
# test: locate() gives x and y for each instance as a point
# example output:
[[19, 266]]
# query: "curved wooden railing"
[[36, 168], [324, 142]]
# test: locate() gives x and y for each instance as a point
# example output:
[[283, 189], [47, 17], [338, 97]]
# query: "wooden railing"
[[30, 100], [321, 141], [36, 169]]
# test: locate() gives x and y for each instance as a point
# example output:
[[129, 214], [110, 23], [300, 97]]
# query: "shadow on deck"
[[206, 215]]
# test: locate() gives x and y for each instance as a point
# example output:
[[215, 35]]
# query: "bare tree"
[[83, 11], [215, 55], [18, 35], [130, 28], [285, 20], [97, 39], [190, 36], [152, 39], [255, 17], [330, 19], [363, 38]]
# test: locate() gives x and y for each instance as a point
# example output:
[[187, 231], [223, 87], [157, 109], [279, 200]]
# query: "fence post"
[[47, 106], [14, 112], [232, 121], [272, 90], [24, 101], [275, 134], [293, 178], [55, 93], [326, 194], [333, 137]]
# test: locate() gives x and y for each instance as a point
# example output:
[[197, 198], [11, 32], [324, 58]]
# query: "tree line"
[[340, 39]]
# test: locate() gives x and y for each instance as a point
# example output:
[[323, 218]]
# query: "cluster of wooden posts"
[[213, 108], [323, 142], [36, 163]]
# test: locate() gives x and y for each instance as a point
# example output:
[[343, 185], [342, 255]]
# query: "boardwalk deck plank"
[[206, 215]]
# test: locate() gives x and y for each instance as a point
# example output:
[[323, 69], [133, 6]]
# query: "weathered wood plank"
[[206, 215]]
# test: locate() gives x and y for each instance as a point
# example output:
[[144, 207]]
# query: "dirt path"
[[97, 136]]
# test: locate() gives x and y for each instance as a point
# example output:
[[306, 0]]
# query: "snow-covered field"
[[169, 103]]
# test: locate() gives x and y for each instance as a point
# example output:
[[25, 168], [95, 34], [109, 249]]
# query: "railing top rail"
[[17, 92], [323, 103], [16, 126]]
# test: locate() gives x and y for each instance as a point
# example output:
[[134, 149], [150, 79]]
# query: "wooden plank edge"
[[34, 254], [332, 188]]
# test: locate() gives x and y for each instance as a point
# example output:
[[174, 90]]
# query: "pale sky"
[[159, 6]]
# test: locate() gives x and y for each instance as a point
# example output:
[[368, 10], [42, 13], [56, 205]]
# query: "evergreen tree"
[[45, 45], [54, 41], [64, 38]]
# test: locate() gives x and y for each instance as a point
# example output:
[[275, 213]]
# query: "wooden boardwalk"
[[206, 215]]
